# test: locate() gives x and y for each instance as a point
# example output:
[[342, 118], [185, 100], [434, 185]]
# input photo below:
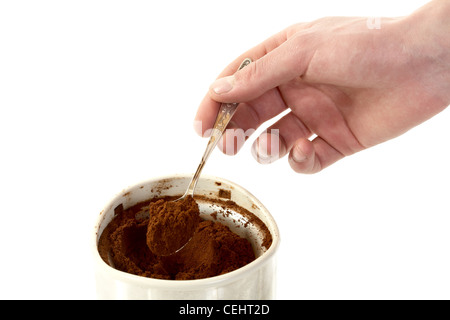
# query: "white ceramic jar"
[[256, 280]]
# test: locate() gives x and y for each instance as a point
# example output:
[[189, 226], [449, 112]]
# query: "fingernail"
[[223, 85], [232, 141], [298, 155], [198, 127], [267, 148]]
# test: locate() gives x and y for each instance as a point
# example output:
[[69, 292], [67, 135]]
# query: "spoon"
[[167, 244], [224, 116]]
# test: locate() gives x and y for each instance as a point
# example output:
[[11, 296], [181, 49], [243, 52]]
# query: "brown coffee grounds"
[[213, 250], [171, 224], [229, 206], [226, 194]]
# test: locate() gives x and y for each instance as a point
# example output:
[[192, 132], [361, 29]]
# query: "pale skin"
[[348, 82]]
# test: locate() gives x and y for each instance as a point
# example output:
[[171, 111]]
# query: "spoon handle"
[[224, 116]]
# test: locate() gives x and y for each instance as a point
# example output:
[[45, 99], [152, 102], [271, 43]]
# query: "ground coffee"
[[213, 250], [171, 225]]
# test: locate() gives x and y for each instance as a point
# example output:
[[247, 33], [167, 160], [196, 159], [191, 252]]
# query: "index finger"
[[207, 111]]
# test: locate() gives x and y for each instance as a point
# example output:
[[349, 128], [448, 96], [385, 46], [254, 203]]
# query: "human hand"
[[348, 86]]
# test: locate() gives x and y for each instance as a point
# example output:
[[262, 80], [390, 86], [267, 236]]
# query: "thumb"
[[271, 70]]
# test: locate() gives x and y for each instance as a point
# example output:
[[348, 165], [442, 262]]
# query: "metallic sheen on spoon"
[[160, 225], [224, 116]]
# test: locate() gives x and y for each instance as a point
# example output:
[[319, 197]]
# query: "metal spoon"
[[224, 116]]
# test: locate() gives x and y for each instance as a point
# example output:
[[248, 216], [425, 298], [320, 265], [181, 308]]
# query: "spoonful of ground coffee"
[[172, 223]]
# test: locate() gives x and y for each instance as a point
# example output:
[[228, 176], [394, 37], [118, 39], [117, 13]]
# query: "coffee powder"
[[171, 224], [213, 249]]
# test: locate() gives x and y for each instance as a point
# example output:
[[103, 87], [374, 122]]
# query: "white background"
[[99, 95]]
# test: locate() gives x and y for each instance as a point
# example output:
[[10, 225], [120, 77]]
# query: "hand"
[[349, 84]]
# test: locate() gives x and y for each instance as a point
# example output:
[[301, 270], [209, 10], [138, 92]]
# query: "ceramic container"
[[256, 280]]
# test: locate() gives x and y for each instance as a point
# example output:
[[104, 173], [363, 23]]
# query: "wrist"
[[426, 38], [430, 25]]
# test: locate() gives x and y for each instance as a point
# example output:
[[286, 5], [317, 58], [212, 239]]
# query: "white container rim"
[[187, 285]]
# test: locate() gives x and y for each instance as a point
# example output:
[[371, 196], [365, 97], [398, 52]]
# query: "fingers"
[[265, 88], [269, 147], [208, 108], [257, 52], [206, 116], [278, 66], [274, 61], [248, 115], [313, 111], [305, 156], [312, 156], [248, 118], [279, 138]]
